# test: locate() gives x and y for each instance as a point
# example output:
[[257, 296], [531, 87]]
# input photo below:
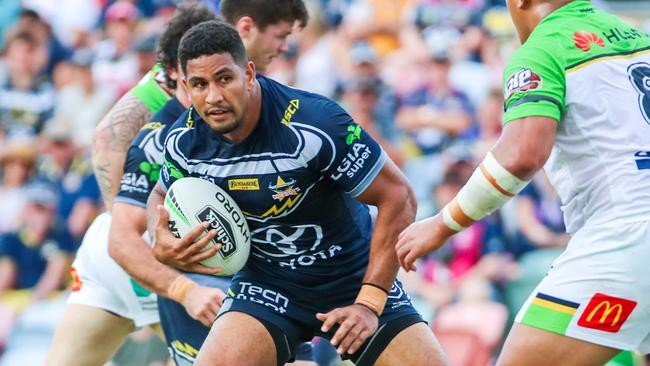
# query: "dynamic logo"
[[284, 189], [292, 108], [354, 134], [606, 313], [183, 353], [522, 81], [76, 281], [584, 40], [260, 295], [244, 184], [224, 235]]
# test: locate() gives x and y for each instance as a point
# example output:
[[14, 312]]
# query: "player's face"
[[219, 89], [263, 47]]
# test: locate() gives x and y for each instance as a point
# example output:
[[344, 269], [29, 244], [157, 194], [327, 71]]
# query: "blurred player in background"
[[578, 100]]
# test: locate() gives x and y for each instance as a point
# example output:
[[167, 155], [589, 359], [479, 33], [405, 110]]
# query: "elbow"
[[525, 161]]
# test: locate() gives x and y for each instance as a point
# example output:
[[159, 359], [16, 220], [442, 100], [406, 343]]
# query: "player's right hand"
[[184, 253], [203, 303]]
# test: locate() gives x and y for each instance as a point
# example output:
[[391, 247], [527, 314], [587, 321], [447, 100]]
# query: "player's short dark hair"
[[184, 18], [265, 12], [209, 38]]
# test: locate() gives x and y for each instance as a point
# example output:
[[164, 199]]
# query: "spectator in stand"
[[539, 218], [17, 161], [116, 63], [433, 116], [490, 122], [82, 90], [26, 99], [55, 52], [360, 96], [34, 258], [69, 168]]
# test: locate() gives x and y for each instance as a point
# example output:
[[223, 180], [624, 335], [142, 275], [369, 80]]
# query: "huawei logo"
[[583, 40]]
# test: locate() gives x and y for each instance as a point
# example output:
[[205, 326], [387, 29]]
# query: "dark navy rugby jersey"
[[142, 165], [294, 177]]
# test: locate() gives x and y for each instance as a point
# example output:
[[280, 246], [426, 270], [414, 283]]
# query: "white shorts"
[[598, 289], [100, 282]]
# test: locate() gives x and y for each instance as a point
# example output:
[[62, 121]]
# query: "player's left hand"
[[357, 323], [420, 238]]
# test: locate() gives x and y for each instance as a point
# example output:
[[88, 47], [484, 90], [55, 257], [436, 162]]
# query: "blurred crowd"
[[423, 77]]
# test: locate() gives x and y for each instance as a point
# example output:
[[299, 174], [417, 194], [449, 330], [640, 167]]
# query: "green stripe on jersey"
[[149, 92], [572, 35]]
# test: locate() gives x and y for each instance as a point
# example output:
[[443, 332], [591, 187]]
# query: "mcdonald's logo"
[[606, 313]]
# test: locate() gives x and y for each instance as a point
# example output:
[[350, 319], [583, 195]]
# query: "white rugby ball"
[[191, 201]]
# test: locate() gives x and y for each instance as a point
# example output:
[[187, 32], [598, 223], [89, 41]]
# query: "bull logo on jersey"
[[291, 246], [583, 40], [284, 189], [522, 81]]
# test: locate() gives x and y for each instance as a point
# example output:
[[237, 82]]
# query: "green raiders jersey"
[[149, 91], [590, 71]]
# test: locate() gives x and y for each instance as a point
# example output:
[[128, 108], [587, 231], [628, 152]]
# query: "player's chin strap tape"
[[179, 288], [373, 297], [487, 190]]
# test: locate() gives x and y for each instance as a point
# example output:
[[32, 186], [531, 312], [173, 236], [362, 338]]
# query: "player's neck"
[[538, 12], [251, 116]]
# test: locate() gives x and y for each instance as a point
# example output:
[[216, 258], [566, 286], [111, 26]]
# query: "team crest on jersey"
[[284, 189], [583, 40], [522, 81]]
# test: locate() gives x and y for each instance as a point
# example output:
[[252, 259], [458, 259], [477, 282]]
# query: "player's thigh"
[[237, 339], [532, 346], [87, 336], [414, 346]]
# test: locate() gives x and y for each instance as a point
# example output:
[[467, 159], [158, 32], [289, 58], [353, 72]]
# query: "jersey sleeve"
[[7, 246], [534, 82], [174, 164], [140, 176], [351, 159]]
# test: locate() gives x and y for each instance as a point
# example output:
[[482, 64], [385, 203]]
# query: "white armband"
[[488, 189]]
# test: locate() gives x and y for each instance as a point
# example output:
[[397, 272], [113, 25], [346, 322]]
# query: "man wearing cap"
[[34, 258], [17, 161]]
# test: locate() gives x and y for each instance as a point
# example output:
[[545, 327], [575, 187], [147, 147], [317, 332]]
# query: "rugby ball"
[[190, 201]]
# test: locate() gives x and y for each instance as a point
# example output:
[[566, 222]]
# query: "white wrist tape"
[[490, 187]]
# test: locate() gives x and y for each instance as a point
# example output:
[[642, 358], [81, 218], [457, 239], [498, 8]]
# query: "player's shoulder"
[[149, 90], [292, 106]]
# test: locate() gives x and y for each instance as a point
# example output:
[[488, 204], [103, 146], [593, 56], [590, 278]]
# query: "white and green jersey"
[[591, 72]]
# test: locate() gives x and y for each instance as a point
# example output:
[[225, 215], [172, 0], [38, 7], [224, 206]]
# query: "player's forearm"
[[111, 141], [156, 197], [134, 255], [394, 216]]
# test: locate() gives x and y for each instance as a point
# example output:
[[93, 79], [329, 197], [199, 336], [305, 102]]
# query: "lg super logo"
[[522, 81]]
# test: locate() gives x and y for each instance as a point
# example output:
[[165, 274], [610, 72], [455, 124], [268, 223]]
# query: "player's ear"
[[244, 26], [250, 73], [523, 4]]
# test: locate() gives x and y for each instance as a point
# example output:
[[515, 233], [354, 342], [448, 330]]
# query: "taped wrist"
[[179, 288], [373, 297], [488, 189]]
